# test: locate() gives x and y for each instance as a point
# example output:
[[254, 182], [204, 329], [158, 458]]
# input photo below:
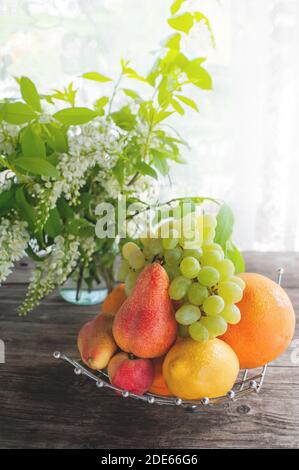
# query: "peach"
[[132, 375], [159, 386], [114, 300], [96, 343], [145, 324]]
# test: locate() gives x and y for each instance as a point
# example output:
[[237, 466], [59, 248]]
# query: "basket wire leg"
[[245, 375]]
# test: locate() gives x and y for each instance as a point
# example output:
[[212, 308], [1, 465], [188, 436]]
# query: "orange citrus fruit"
[[159, 386], [194, 370], [114, 300], [267, 323]]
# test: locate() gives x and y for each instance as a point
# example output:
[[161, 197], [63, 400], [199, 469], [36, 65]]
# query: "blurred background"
[[244, 142]]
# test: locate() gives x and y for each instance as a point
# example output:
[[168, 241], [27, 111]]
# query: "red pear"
[[145, 324]]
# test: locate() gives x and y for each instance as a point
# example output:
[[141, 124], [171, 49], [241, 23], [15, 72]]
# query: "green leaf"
[[225, 225], [53, 226], [32, 144], [182, 22], [131, 73], [160, 163], [100, 104], [188, 101], [53, 159], [175, 7], [25, 209], [85, 200], [56, 138], [124, 118], [65, 210], [161, 116], [2, 111], [176, 105], [235, 256], [18, 113], [174, 42], [75, 116], [30, 94], [37, 166], [119, 172], [200, 17], [68, 94], [81, 227], [146, 169], [97, 77], [198, 75], [131, 93], [7, 200]]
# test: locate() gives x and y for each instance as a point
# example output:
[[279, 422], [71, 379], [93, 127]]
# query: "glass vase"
[[83, 294]]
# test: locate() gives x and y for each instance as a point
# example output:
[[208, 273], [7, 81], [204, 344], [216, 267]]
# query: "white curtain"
[[244, 141]]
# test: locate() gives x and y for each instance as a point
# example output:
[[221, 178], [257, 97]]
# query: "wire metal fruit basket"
[[247, 383]]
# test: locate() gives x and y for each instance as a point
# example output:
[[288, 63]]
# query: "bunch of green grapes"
[[203, 285]]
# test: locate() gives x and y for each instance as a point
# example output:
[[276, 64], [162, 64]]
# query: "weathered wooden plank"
[[53, 412]]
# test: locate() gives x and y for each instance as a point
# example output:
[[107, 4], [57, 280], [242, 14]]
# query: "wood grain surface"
[[44, 405]]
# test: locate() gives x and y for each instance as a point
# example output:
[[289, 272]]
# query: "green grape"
[[190, 267], [226, 269], [238, 280], [213, 305], [197, 254], [129, 249], [212, 247], [210, 221], [184, 331], [208, 276], [145, 239], [198, 332], [179, 287], [136, 260], [147, 253], [191, 237], [122, 270], [208, 235], [173, 256], [216, 326], [172, 271], [130, 282], [231, 314], [172, 241], [230, 292], [211, 258], [155, 246], [187, 314], [197, 294]]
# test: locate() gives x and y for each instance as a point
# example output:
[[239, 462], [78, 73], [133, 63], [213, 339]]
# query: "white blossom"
[[52, 271], [14, 239], [8, 137]]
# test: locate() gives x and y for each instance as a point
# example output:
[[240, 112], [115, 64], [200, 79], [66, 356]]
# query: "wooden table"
[[44, 405]]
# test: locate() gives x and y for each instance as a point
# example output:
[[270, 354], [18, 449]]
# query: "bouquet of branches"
[[59, 160]]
